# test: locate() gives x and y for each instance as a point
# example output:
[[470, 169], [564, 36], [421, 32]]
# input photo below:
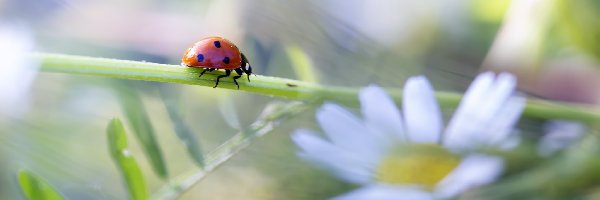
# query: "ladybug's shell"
[[214, 52]]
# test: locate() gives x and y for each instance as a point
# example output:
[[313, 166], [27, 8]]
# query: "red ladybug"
[[214, 53]]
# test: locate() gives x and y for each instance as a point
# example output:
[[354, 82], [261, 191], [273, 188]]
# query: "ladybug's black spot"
[[226, 60], [217, 44], [200, 57]]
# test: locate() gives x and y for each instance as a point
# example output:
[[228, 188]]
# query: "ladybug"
[[213, 53]]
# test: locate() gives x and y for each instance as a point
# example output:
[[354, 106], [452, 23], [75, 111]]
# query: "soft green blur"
[[580, 20]]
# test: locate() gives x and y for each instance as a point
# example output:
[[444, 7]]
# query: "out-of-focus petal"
[[510, 142], [504, 121], [457, 133], [470, 124], [473, 171], [18, 68], [347, 131], [344, 164], [381, 114], [386, 192], [559, 135], [421, 111]]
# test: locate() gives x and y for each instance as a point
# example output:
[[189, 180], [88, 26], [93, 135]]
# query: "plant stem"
[[270, 118], [273, 86]]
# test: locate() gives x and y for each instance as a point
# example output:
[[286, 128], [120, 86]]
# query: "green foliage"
[[572, 174], [36, 188], [136, 114], [117, 142]]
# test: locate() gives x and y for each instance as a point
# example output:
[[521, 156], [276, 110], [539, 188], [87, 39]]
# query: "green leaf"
[[117, 142], [302, 64], [138, 119], [36, 188], [182, 131]]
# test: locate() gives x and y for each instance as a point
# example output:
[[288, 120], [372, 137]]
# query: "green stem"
[[273, 86], [272, 116]]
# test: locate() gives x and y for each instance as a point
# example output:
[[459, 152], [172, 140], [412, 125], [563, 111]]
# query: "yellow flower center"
[[421, 164]]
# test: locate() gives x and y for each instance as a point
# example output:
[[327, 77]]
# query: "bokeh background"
[[57, 129]]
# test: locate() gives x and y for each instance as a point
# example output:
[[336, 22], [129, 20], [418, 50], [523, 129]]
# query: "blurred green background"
[[62, 137]]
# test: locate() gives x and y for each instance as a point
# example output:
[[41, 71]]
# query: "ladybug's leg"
[[227, 73], [202, 73], [206, 69], [239, 72]]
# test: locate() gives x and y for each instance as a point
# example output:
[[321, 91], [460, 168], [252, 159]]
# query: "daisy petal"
[[348, 166], [473, 171], [457, 131], [346, 130], [386, 192], [421, 111], [380, 113], [478, 109], [502, 89], [505, 120]]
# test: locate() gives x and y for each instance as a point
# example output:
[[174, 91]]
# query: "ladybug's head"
[[246, 66]]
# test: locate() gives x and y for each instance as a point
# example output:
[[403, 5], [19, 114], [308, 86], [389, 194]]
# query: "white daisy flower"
[[410, 155]]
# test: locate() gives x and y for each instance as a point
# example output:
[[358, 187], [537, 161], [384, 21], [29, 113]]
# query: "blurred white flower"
[[411, 155], [18, 68], [559, 135]]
